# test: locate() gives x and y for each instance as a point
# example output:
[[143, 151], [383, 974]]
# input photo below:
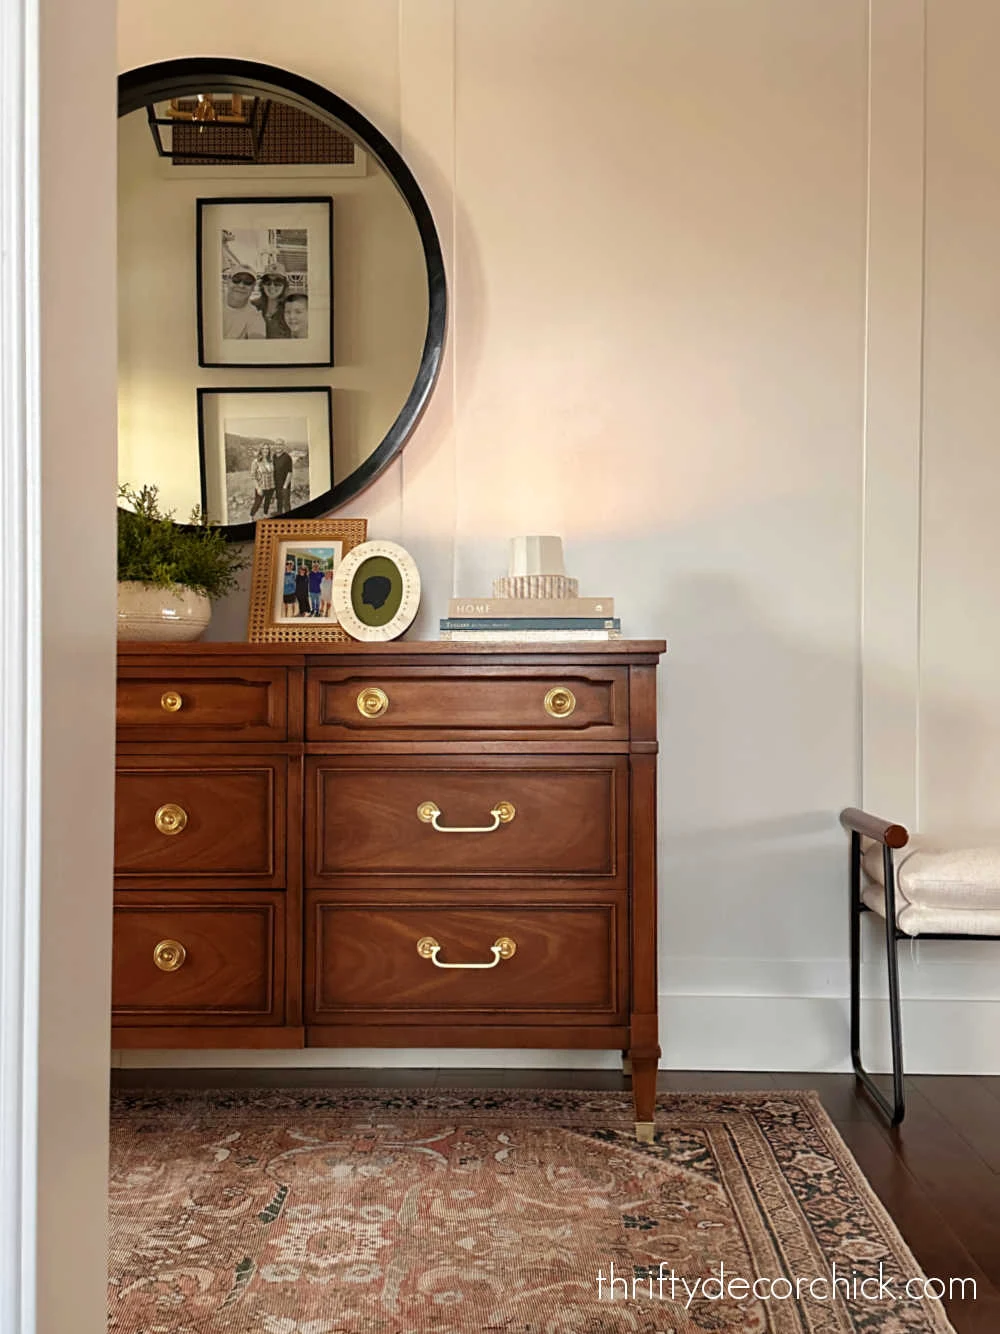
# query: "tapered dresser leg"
[[644, 1096]]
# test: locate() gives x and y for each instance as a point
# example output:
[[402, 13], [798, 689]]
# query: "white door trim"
[[20, 662], [893, 427]]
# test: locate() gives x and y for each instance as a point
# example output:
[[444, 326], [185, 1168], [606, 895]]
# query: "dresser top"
[[409, 650]]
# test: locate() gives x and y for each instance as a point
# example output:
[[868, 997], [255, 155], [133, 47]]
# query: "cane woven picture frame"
[[293, 565]]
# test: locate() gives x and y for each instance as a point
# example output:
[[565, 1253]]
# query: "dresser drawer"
[[467, 703], [556, 819], [202, 704], [221, 962], [209, 821], [367, 960]]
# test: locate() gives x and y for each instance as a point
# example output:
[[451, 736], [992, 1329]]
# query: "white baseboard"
[[940, 1036], [811, 1033]]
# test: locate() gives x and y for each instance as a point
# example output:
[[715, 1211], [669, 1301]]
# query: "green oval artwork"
[[376, 590]]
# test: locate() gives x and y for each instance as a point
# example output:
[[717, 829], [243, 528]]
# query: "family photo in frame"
[[265, 281], [263, 451], [294, 565]]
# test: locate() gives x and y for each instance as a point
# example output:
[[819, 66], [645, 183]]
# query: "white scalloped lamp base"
[[161, 615]]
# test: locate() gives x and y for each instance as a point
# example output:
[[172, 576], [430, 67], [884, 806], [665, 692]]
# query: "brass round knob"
[[169, 955], [171, 701], [372, 702], [560, 702], [170, 819]]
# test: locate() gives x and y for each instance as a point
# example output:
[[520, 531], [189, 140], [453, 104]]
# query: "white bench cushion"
[[954, 891]]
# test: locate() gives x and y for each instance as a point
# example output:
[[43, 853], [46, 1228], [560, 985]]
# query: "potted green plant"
[[168, 573]]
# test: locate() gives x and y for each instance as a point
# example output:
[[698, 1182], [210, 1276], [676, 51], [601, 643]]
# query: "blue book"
[[531, 623]]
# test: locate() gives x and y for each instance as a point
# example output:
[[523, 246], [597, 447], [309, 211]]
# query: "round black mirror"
[[282, 293]]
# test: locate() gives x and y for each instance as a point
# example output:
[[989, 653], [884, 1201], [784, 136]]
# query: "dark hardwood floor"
[[938, 1174]]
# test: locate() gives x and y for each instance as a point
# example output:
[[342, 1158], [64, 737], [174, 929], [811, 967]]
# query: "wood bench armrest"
[[882, 831]]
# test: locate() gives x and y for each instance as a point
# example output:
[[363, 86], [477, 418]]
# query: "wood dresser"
[[405, 845]]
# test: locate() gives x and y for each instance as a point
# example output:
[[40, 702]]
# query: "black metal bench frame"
[[892, 837]]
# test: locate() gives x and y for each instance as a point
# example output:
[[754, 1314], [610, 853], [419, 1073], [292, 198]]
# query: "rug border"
[[852, 1168]]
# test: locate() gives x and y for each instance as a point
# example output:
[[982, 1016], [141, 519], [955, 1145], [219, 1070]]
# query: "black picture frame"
[[186, 77], [260, 214], [309, 405]]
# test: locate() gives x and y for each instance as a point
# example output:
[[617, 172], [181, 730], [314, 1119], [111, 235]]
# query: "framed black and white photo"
[[263, 452], [265, 282]]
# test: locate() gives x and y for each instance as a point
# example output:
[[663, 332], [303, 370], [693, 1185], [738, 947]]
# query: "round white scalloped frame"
[[343, 579]]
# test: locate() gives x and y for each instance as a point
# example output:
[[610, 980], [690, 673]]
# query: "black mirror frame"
[[138, 88]]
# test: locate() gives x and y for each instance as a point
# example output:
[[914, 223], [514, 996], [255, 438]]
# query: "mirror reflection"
[[273, 304]]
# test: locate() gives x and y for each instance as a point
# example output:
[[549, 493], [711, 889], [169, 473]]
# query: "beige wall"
[[685, 260], [76, 605], [960, 630]]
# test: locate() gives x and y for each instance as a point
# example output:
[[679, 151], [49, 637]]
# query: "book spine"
[[531, 623], [527, 636], [475, 608]]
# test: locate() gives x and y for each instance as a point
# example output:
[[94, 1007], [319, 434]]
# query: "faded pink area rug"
[[404, 1211]]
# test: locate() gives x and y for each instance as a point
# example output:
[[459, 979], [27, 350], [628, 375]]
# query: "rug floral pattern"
[[360, 1212]]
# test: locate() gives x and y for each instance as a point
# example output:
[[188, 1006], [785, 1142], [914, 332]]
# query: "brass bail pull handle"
[[502, 948], [429, 813], [170, 819]]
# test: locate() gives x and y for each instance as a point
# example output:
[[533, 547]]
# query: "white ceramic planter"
[[161, 614]]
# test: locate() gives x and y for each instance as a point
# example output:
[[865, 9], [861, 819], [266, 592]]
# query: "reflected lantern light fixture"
[[209, 127]]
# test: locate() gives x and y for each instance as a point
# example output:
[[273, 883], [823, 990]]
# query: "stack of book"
[[501, 620], [535, 601]]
